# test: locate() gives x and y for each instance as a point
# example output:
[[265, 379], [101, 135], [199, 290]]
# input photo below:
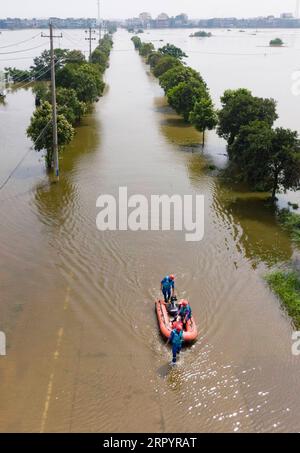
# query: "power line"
[[20, 51], [41, 73], [20, 42], [25, 155]]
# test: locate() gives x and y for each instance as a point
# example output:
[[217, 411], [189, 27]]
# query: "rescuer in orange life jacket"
[[184, 312], [168, 287], [176, 340]]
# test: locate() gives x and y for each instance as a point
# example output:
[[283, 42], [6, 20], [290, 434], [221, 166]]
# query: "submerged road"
[[77, 305]]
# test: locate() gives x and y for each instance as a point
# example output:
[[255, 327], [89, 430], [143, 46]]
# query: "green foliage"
[[136, 42], [184, 96], [69, 105], [84, 79], [172, 51], [203, 115], [240, 108], [267, 158], [44, 141], [75, 56], [176, 75], [201, 34], [146, 48], [18, 75], [41, 69], [276, 42], [287, 286], [164, 64], [100, 58], [106, 44], [290, 221], [154, 58]]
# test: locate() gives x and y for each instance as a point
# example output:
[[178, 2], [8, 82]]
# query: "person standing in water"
[[168, 287], [176, 340]]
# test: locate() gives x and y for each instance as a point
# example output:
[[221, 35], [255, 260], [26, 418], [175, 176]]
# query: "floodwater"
[[77, 305]]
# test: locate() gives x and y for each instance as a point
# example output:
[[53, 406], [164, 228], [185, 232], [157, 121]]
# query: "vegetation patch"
[[287, 287], [201, 34], [277, 42], [290, 221]]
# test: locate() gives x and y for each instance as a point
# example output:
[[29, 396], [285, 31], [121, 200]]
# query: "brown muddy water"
[[77, 305]]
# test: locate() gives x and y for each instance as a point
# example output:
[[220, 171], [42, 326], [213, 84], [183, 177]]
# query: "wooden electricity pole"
[[90, 31], [99, 19], [53, 99]]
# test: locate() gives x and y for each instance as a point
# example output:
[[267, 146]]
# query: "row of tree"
[[79, 85], [184, 87], [267, 158]]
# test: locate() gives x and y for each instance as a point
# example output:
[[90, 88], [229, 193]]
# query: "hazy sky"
[[130, 8]]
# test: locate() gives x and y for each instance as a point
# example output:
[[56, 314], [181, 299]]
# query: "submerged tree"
[[203, 116], [184, 96], [176, 75], [40, 131], [172, 51], [267, 159], [164, 64], [240, 108]]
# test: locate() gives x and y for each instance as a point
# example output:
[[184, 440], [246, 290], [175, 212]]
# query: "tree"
[[75, 56], [136, 42], [164, 64], [285, 160], [41, 68], [41, 134], [240, 108], [154, 58], [177, 74], [69, 105], [277, 42], [101, 58], [201, 34], [106, 44], [203, 116], [146, 48], [267, 159], [17, 75], [172, 51], [85, 79], [184, 96]]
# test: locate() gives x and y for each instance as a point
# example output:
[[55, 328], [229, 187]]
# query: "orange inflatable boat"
[[165, 323]]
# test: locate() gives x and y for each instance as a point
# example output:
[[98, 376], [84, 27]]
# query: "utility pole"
[[90, 31], [297, 9], [53, 99], [99, 19]]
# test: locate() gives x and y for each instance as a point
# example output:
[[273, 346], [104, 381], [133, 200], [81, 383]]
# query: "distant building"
[[162, 21], [286, 16], [134, 22], [145, 17]]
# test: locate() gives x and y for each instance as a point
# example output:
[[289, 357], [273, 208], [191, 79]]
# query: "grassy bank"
[[290, 221], [287, 287]]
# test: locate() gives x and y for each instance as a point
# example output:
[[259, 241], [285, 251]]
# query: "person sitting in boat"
[[168, 287], [184, 312], [176, 340]]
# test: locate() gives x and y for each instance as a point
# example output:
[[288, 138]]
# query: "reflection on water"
[[174, 128]]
